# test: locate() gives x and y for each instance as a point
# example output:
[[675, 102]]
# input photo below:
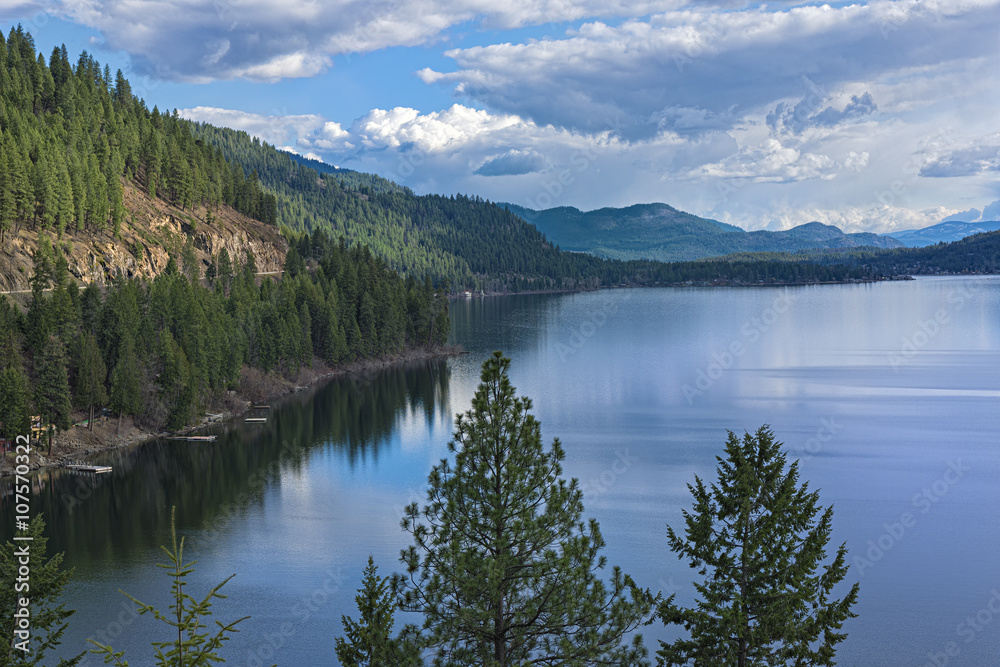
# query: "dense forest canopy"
[[163, 352], [72, 133]]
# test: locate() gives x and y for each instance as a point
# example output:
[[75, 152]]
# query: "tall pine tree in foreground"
[[755, 538], [48, 614], [368, 642], [503, 568]]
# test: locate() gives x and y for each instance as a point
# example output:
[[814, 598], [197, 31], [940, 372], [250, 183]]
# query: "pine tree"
[[48, 614], [189, 258], [305, 320], [15, 402], [225, 269], [211, 272], [43, 182], [90, 376], [126, 382], [63, 211], [52, 395], [177, 387], [63, 318], [293, 262], [503, 568], [90, 308], [755, 537], [369, 641], [8, 202], [249, 267]]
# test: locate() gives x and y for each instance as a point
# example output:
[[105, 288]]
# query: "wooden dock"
[[255, 420], [261, 407], [195, 438], [86, 467]]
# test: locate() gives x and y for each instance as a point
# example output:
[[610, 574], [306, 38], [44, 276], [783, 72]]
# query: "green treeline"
[[163, 352], [72, 133], [979, 253]]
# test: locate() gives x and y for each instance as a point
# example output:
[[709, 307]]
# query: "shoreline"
[[79, 443], [459, 296]]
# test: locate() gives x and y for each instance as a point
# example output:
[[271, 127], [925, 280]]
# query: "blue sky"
[[872, 116]]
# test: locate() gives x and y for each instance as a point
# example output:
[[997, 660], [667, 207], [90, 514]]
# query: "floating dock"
[[255, 420], [261, 407], [195, 438], [85, 467]]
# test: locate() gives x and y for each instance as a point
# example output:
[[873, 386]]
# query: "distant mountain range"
[[946, 231], [661, 232]]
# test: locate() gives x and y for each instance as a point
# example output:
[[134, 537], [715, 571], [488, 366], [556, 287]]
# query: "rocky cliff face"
[[153, 232]]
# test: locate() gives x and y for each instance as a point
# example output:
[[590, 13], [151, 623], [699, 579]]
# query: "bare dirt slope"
[[153, 231]]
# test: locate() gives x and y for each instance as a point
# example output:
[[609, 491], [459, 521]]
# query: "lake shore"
[[717, 282], [110, 433]]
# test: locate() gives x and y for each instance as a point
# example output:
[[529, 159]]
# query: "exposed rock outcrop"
[[153, 231]]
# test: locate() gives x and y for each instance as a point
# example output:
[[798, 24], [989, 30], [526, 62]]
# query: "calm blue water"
[[889, 393]]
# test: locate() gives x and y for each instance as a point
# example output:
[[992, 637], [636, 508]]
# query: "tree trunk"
[[744, 592], [499, 640]]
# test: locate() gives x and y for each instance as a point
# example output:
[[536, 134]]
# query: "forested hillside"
[[71, 134], [167, 350], [465, 240], [82, 159]]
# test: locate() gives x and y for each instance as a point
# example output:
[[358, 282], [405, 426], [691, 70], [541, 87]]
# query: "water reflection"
[[100, 518]]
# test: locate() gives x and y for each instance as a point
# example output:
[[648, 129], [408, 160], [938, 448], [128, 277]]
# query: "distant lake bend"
[[889, 393]]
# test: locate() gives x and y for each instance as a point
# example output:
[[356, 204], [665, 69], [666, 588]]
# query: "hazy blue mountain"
[[947, 231], [661, 232]]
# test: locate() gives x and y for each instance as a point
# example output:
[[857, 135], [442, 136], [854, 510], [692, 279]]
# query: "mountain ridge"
[[660, 232], [946, 231]]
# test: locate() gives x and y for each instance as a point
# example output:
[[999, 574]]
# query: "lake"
[[888, 393]]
